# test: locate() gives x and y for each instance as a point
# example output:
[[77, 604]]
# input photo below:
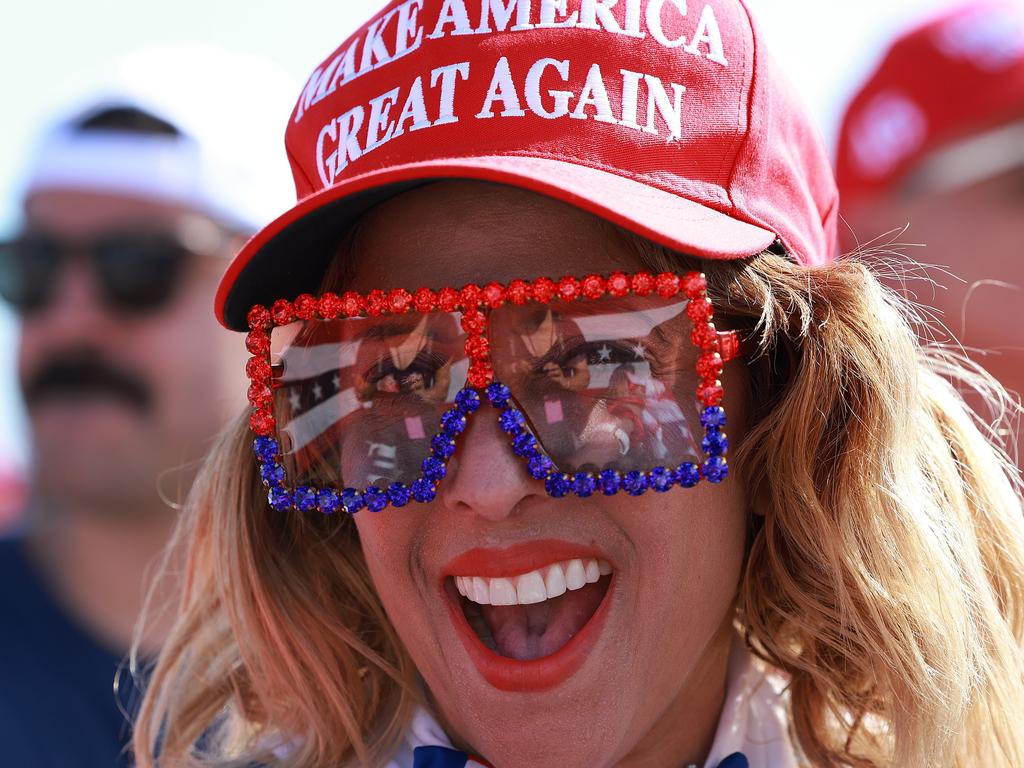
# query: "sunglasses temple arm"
[[730, 346]]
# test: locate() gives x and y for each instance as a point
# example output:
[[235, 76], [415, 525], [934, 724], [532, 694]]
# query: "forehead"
[[457, 232], [80, 214]]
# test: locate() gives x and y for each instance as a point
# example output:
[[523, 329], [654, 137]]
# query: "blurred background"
[[54, 52], [925, 127]]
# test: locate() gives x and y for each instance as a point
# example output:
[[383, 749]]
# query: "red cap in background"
[[959, 74], [662, 116]]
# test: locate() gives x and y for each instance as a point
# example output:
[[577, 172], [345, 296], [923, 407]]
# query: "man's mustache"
[[83, 373]]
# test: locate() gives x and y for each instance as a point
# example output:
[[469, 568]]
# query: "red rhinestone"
[[376, 303], [494, 295], [447, 299], [351, 304], [305, 307], [694, 284], [667, 285], [480, 374], [330, 306], [477, 347], [474, 323], [518, 292], [618, 284], [282, 312], [262, 421], [568, 289], [259, 317], [257, 369], [642, 284], [425, 300], [593, 286], [710, 393], [399, 301], [542, 290], [260, 395], [699, 310], [709, 365], [257, 342], [705, 336], [470, 296]]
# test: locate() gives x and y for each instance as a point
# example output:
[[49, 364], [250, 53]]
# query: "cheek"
[[387, 542]]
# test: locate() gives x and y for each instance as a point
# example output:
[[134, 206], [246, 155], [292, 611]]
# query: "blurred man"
[[935, 139], [131, 207]]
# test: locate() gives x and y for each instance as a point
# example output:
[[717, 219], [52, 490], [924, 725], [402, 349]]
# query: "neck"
[[99, 568]]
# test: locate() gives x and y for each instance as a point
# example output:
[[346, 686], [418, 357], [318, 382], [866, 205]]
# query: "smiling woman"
[[700, 499]]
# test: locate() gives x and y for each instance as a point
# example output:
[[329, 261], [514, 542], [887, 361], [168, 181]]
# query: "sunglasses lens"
[[358, 401], [28, 269], [139, 272], [606, 384]]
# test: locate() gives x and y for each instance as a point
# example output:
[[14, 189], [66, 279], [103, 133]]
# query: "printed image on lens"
[[606, 384], [357, 401]]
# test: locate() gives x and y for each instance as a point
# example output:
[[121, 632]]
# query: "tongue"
[[534, 631]]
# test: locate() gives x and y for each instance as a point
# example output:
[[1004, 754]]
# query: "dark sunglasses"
[[134, 272]]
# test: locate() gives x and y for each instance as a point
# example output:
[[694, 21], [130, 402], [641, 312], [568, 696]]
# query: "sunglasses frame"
[[716, 348], [89, 251]]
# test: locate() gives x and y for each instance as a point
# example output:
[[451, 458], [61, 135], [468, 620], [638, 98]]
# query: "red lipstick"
[[514, 675], [490, 563]]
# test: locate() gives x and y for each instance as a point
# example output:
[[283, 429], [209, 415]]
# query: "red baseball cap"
[[956, 75], [662, 116]]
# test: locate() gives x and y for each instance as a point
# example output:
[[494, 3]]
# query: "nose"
[[485, 478]]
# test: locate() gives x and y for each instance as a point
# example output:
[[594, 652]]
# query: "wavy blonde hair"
[[885, 576]]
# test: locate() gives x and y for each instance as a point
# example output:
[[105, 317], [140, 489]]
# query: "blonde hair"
[[885, 576]]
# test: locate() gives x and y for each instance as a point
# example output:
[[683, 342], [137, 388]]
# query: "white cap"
[[230, 110]]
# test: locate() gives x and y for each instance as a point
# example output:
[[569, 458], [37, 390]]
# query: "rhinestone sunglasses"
[[601, 384]]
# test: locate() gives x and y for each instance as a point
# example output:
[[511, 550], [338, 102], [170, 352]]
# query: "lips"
[[534, 628]]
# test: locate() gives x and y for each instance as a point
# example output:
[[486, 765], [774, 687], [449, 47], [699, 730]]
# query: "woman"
[[523, 573]]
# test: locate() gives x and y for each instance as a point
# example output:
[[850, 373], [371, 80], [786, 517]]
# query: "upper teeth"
[[535, 586]]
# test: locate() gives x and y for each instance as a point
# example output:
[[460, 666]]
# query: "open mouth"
[[536, 614]]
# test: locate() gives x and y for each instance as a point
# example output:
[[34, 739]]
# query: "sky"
[[51, 52]]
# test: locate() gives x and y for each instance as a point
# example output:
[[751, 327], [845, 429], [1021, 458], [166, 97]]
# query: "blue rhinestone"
[[280, 499], [525, 445], [660, 479], [610, 481], [352, 500], [265, 448], [424, 491], [305, 498], [399, 494], [498, 394], [713, 416], [434, 469], [375, 499], [714, 443], [584, 484], [558, 485], [468, 400], [687, 475], [327, 501], [442, 446], [272, 474], [512, 421], [453, 422], [635, 483], [715, 469], [540, 467]]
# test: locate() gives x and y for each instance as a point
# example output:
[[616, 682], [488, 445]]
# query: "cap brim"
[[291, 254]]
